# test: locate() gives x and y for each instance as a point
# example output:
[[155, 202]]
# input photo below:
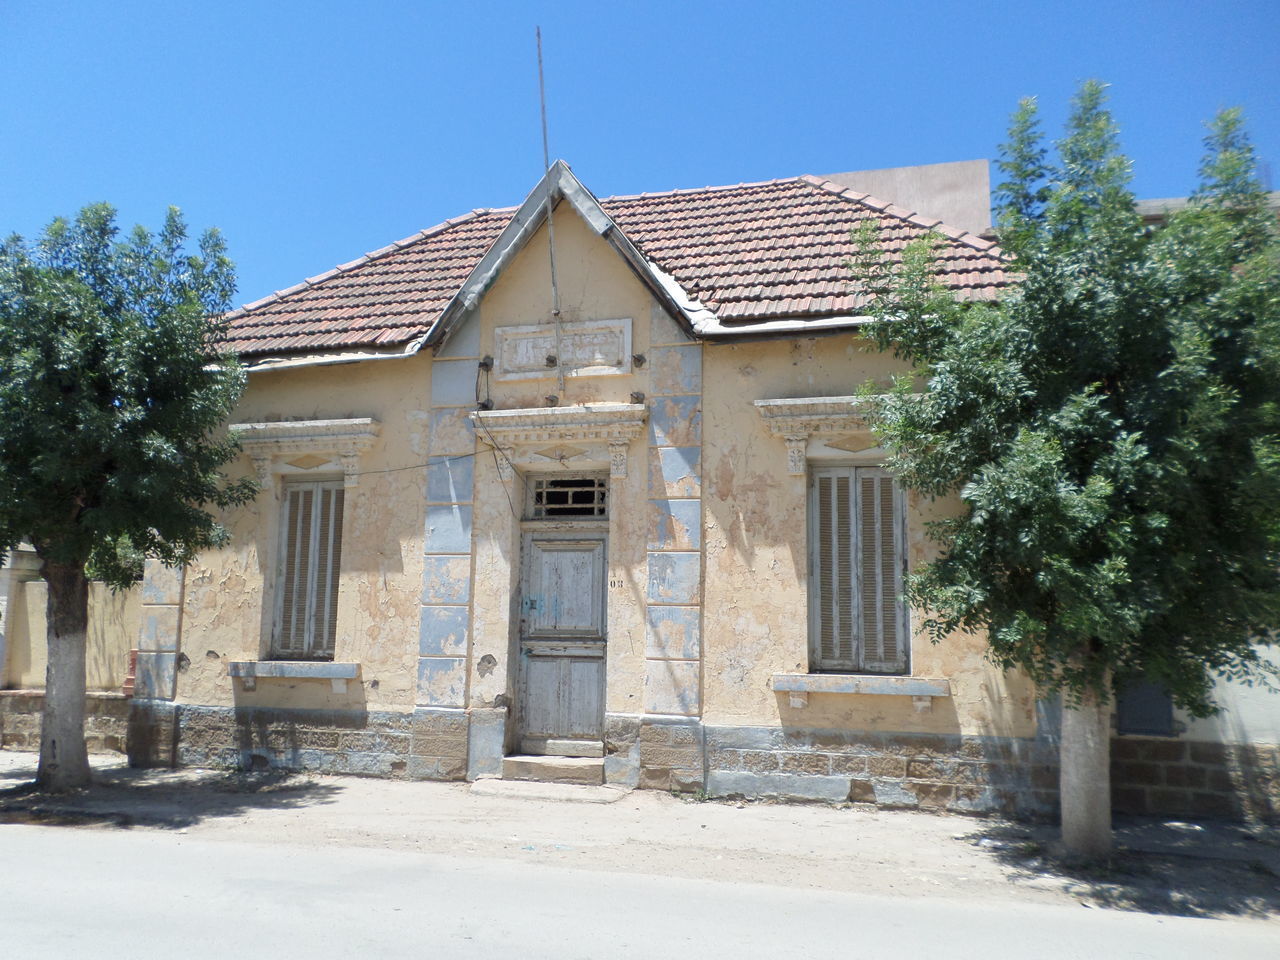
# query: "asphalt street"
[[123, 893]]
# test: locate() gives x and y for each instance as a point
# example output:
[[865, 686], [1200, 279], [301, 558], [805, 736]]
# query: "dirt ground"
[[1163, 867]]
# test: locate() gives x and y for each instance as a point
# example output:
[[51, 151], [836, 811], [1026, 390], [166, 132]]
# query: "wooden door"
[[562, 645]]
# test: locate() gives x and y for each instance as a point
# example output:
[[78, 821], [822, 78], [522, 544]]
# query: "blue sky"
[[313, 132]]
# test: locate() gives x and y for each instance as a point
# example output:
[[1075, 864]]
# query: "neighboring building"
[[648, 541]]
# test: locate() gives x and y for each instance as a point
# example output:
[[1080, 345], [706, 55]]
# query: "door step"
[[562, 747], [586, 771]]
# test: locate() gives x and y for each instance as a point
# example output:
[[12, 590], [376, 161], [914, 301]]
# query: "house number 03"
[[615, 583]]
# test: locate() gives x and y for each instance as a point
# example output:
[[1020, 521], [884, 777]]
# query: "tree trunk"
[[64, 759], [1085, 784]]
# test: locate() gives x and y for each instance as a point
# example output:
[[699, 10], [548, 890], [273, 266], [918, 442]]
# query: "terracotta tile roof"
[[749, 253]]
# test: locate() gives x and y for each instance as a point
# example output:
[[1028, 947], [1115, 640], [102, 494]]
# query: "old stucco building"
[[627, 529]]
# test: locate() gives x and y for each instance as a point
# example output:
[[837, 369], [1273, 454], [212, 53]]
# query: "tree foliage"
[[113, 391], [1111, 425]]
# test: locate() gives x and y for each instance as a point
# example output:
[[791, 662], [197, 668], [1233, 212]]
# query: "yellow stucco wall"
[[381, 570], [594, 284], [754, 518], [755, 620], [114, 621]]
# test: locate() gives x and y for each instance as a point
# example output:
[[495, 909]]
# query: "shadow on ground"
[[174, 799], [1160, 866]]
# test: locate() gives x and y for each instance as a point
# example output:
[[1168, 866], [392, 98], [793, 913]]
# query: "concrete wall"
[[114, 619], [957, 193], [226, 597], [1251, 713]]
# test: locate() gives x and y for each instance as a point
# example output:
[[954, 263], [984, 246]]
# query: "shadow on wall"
[[298, 724]]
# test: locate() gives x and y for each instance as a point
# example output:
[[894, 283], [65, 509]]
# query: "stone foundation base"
[[952, 774], [428, 744], [106, 720], [936, 773]]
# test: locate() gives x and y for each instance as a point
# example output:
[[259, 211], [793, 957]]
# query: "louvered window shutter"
[[310, 559], [329, 557], [858, 620], [880, 565], [833, 563]]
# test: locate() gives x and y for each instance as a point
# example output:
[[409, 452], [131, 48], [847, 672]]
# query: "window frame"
[[600, 488], [860, 663], [314, 647]]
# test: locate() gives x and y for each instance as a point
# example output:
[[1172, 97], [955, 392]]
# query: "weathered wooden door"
[[562, 645]]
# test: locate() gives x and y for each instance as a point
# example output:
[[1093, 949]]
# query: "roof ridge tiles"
[[710, 188]]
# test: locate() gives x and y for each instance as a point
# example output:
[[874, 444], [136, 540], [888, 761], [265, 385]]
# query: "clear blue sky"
[[311, 132]]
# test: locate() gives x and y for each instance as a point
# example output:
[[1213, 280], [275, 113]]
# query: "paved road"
[[108, 893]]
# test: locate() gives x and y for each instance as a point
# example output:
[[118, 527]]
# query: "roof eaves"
[[717, 329], [329, 357]]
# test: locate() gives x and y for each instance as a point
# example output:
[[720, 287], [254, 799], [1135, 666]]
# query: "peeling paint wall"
[[594, 285], [226, 609], [756, 557]]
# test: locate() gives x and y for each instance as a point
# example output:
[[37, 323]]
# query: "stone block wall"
[[1189, 778], [422, 745], [953, 774], [670, 754], [106, 720]]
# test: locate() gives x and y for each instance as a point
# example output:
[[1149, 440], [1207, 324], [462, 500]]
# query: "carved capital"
[[795, 454], [506, 470], [350, 469], [262, 468], [618, 459]]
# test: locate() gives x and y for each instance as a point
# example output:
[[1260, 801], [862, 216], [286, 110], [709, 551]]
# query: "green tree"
[[113, 391], [1111, 428]]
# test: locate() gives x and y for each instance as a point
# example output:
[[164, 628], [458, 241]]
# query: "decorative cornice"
[[799, 418], [806, 416], [344, 440], [599, 421], [517, 431]]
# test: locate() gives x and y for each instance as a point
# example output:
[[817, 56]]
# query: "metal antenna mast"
[[551, 226]]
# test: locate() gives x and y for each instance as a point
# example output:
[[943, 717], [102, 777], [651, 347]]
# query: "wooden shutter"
[[882, 621], [328, 562], [310, 559], [833, 611], [857, 617]]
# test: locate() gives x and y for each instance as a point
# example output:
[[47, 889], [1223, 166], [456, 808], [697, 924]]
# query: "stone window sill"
[[921, 690], [249, 671]]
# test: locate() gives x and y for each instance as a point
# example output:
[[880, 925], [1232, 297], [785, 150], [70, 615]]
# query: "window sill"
[[249, 671], [921, 690]]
